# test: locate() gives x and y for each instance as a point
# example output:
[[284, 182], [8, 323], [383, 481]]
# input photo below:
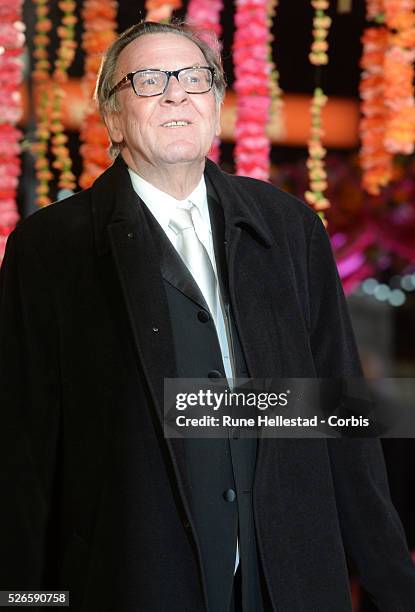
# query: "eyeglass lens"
[[154, 82]]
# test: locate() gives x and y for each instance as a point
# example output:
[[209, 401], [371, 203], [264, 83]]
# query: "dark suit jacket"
[[94, 498]]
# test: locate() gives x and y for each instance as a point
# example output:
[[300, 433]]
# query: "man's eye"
[[148, 81], [193, 79]]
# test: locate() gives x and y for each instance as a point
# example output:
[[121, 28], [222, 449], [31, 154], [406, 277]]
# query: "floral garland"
[[49, 109], [11, 42], [399, 76], [316, 152], [100, 27], [321, 24], [252, 74], [374, 10], [388, 105], [40, 75], [277, 102], [64, 58], [375, 161], [161, 10], [205, 14]]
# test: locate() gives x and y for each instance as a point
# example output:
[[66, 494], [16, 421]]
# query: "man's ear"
[[112, 121]]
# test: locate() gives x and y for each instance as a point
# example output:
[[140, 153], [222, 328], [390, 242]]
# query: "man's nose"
[[174, 92]]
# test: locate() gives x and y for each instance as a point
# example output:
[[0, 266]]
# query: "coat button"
[[186, 525], [203, 316], [215, 374], [229, 495]]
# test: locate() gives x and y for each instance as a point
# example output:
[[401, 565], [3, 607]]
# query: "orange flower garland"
[[388, 108], [100, 30], [399, 76], [316, 152], [64, 58], [374, 10], [160, 10], [40, 75], [375, 161]]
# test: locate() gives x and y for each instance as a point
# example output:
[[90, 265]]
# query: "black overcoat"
[[94, 498]]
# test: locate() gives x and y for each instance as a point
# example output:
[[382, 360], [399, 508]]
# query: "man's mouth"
[[175, 124]]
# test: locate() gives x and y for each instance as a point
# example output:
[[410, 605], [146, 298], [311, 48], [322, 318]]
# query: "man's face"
[[141, 123]]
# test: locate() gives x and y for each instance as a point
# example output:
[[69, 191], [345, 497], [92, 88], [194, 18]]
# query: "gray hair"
[[106, 76]]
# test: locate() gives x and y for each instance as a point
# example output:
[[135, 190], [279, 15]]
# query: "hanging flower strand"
[[161, 10], [275, 90], [321, 25], [252, 71], [205, 14], [100, 30], [40, 75], [11, 42], [375, 160], [64, 58], [399, 76], [316, 152]]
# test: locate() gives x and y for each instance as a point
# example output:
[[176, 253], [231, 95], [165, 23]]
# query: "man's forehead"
[[161, 49]]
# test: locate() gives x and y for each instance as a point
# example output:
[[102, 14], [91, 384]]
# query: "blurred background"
[[320, 102]]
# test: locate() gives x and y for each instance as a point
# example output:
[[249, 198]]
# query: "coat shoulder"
[[65, 221], [271, 199], [287, 217]]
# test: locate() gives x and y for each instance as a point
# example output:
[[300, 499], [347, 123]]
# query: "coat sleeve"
[[372, 533], [29, 418]]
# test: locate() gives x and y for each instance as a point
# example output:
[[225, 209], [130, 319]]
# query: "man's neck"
[[178, 180]]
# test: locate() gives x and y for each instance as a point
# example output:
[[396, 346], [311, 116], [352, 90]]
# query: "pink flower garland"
[[11, 42], [252, 85], [205, 14]]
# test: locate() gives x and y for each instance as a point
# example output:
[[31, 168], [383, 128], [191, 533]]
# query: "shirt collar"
[[161, 204]]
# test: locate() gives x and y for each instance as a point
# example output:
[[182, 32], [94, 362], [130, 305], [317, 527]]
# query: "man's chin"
[[183, 152]]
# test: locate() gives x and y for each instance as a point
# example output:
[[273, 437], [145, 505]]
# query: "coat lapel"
[[246, 238], [121, 228], [172, 268], [217, 222]]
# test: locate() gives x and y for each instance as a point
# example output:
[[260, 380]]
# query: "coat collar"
[[114, 200]]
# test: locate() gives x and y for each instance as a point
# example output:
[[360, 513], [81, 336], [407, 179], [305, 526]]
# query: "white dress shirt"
[[162, 205]]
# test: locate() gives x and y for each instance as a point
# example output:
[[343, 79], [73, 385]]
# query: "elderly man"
[[168, 267]]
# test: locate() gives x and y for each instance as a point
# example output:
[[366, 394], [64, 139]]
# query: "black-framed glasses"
[[153, 82]]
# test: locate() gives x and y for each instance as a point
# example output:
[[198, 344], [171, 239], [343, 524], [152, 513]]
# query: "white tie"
[[194, 254]]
